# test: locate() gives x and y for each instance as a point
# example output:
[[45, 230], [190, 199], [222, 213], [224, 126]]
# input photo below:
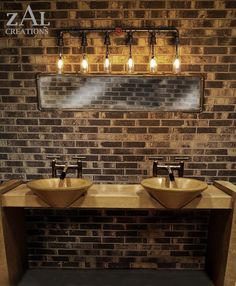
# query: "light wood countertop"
[[130, 196]]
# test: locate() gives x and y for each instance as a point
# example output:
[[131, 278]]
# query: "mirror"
[[120, 92]]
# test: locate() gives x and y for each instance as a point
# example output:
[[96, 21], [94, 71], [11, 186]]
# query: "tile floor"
[[57, 277]]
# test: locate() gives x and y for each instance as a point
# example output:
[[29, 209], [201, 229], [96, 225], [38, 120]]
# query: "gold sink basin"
[[59, 193], [174, 194]]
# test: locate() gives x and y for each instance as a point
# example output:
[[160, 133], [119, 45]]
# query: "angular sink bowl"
[[174, 194], [59, 193]]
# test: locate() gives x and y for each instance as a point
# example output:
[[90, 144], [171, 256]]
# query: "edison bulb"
[[153, 65], [60, 65], [130, 65], [176, 65], [107, 65], [84, 65]]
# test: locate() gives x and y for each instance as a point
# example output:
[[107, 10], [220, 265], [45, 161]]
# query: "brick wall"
[[117, 239], [117, 143]]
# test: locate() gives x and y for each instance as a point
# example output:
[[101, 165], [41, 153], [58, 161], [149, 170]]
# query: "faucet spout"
[[171, 174], [64, 172]]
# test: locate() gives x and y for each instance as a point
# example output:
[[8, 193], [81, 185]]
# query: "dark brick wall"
[[117, 239], [118, 143]]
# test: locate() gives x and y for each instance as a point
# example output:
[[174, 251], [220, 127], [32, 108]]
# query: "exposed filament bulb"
[[153, 65], [176, 65], [107, 65], [84, 65], [60, 64], [130, 65]]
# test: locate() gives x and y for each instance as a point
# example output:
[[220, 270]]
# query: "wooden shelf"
[[117, 196]]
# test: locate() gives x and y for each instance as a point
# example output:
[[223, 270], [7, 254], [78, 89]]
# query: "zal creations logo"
[[16, 25]]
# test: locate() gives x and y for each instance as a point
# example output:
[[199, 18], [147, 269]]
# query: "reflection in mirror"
[[147, 93]]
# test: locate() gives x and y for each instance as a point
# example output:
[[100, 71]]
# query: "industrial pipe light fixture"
[[107, 63], [153, 61], [153, 64], [130, 62], [84, 63], [60, 62], [176, 63]]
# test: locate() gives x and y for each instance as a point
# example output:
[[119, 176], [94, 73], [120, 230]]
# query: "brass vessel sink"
[[174, 194], [59, 193]]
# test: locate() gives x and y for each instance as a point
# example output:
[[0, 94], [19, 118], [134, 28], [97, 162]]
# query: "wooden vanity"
[[220, 198]]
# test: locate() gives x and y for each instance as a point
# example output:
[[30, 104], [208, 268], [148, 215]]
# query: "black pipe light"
[[130, 62], [107, 63], [84, 65], [176, 63], [153, 61], [84, 62]]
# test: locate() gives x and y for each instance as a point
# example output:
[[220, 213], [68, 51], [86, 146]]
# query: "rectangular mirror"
[[120, 92]]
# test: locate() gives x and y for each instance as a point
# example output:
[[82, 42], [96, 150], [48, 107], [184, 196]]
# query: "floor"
[[112, 277]]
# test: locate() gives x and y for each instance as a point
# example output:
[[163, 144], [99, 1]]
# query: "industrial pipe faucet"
[[66, 166], [170, 167]]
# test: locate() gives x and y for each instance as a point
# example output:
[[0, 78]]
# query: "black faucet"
[[169, 167], [66, 166]]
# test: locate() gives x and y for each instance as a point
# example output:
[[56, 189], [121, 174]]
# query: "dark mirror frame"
[[201, 96]]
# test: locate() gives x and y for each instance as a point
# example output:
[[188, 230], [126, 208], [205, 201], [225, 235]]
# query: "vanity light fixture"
[[107, 63], [84, 63], [176, 63], [153, 64], [153, 61], [130, 62]]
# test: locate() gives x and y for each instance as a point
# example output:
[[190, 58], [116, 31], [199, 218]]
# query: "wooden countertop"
[[121, 196]]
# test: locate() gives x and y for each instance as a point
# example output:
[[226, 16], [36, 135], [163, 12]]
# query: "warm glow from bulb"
[[176, 65], [60, 64], [153, 65], [84, 65], [130, 65], [107, 65]]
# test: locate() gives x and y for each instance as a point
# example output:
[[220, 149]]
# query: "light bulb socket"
[[84, 41], [107, 40], [152, 39], [177, 45], [60, 41], [129, 41], [130, 38], [177, 39]]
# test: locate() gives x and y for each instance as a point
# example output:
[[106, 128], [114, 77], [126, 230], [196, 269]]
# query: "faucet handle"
[[53, 157], [79, 165], [154, 167], [156, 158], [182, 158], [181, 164], [53, 163]]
